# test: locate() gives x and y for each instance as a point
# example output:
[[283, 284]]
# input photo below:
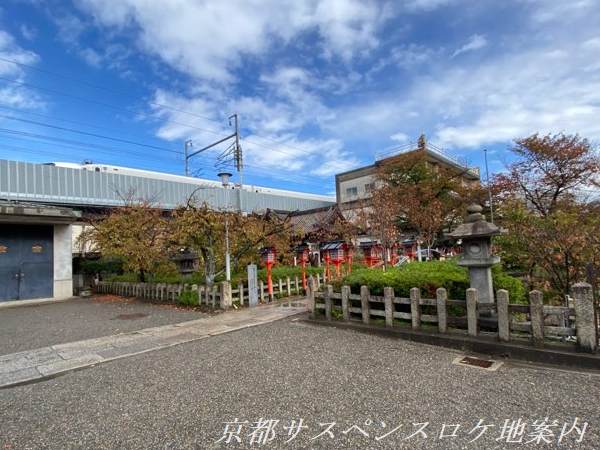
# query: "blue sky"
[[320, 86]]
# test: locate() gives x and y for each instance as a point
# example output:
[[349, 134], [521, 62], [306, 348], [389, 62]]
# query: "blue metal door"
[[26, 261]]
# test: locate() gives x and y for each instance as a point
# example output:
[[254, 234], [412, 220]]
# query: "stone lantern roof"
[[475, 226]]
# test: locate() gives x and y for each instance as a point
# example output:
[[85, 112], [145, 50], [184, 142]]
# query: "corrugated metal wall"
[[49, 184]]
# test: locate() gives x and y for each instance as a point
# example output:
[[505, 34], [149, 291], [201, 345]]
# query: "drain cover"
[[132, 316], [479, 363], [483, 363]]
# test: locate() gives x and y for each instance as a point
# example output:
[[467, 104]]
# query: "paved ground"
[[26, 328], [33, 365], [179, 397]]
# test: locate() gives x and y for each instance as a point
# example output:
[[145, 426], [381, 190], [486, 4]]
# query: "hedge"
[[198, 278], [428, 276]]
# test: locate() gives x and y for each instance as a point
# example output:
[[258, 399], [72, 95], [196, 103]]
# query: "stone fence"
[[218, 295], [503, 320]]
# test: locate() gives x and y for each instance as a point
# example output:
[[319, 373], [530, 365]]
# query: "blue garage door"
[[26, 262]]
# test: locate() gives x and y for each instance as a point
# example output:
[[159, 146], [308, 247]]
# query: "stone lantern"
[[476, 234]]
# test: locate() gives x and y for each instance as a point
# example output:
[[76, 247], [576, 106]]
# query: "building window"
[[351, 192], [369, 187]]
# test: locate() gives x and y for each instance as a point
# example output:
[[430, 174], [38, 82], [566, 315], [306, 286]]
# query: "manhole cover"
[[132, 316], [479, 363]]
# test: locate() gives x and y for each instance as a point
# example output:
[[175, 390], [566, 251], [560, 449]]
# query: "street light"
[[224, 176]]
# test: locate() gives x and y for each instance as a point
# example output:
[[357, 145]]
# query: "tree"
[[202, 229], [552, 228], [414, 196], [136, 233], [550, 169]]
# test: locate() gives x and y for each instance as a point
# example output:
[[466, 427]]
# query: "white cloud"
[[91, 56], [475, 42], [543, 90], [209, 39], [15, 95], [426, 5], [28, 32], [544, 79], [547, 11], [400, 137]]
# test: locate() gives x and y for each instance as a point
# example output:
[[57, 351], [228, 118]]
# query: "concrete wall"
[[63, 261], [360, 183]]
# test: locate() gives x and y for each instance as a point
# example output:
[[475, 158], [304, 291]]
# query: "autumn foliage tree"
[[202, 229], [136, 233], [414, 196], [544, 203]]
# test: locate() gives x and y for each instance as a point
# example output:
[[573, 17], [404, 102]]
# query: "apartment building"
[[355, 186]]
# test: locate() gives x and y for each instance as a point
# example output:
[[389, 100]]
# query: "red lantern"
[[334, 252], [302, 254], [268, 257]]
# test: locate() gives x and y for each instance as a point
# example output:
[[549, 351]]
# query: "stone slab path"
[[47, 362]]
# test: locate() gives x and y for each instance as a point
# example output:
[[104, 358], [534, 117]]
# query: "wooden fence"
[[502, 319]]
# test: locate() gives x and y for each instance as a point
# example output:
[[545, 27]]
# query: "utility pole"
[[187, 145], [489, 189], [237, 156], [225, 182]]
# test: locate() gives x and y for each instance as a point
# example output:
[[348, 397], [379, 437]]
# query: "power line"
[[104, 88], [119, 108], [61, 119], [96, 102], [85, 146], [71, 130]]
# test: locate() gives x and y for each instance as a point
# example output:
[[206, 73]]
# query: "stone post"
[[442, 314], [288, 283], [346, 302], [310, 296], [388, 300], [364, 304], [241, 292], [472, 316], [328, 301], [585, 318], [415, 308], [226, 299], [503, 315], [262, 291], [536, 310]]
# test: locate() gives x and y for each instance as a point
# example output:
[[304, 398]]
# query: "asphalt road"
[[289, 370], [31, 327]]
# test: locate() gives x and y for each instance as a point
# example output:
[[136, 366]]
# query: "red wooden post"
[[303, 273], [269, 280]]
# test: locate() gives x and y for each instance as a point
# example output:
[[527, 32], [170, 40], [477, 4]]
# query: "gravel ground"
[[31, 327], [290, 370]]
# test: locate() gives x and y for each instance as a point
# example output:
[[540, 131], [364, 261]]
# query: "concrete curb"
[[35, 302], [483, 345]]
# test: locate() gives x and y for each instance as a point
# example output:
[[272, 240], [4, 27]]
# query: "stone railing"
[[218, 295], [503, 320]]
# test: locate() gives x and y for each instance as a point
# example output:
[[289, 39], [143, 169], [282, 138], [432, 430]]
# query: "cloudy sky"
[[320, 86]]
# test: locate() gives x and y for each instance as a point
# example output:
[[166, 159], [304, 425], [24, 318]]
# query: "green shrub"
[[102, 265], [126, 278], [188, 298], [276, 273], [428, 276]]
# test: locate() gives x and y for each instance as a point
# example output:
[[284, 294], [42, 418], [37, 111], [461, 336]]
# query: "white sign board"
[[252, 285]]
